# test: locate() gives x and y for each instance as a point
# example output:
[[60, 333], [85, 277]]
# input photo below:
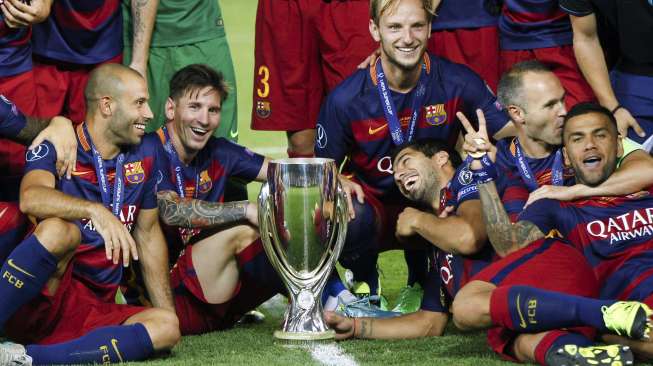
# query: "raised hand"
[[61, 134], [625, 121], [477, 143]]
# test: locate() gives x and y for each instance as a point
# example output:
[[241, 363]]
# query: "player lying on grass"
[[58, 287], [425, 173], [613, 233]]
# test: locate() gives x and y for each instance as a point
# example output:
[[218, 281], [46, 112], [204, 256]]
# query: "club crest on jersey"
[[37, 153], [206, 183], [435, 114], [134, 172], [263, 108]]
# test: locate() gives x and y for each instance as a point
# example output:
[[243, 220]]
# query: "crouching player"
[[613, 233], [424, 173], [58, 286]]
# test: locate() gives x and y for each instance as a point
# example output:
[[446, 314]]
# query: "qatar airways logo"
[[631, 225], [127, 215]]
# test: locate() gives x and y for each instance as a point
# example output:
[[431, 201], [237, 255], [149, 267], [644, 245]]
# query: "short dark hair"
[[509, 91], [429, 147], [195, 77], [586, 108]]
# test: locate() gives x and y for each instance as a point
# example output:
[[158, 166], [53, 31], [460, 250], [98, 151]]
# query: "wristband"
[[618, 107], [487, 173]]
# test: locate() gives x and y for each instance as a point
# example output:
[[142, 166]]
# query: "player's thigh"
[[215, 263]]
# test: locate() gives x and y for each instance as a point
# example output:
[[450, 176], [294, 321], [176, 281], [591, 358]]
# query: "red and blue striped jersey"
[[612, 232], [529, 24], [457, 14], [83, 32], [15, 49], [510, 185], [12, 120], [142, 169], [352, 122], [448, 273]]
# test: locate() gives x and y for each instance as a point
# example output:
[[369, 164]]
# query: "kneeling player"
[[56, 294]]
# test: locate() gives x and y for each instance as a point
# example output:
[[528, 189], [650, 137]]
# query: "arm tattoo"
[[504, 236], [31, 129], [137, 15], [192, 213], [366, 328]]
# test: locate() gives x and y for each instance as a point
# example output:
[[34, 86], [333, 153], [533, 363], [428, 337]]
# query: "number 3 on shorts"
[[264, 75]]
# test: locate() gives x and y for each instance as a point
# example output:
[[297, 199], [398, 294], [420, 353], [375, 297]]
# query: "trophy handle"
[[265, 221]]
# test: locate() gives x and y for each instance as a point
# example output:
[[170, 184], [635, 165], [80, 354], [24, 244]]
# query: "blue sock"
[[418, 266], [533, 310], [24, 273], [113, 344], [333, 287]]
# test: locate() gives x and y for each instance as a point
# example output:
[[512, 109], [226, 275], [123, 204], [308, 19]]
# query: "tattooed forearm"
[[192, 213], [137, 16], [366, 325], [504, 236], [32, 128]]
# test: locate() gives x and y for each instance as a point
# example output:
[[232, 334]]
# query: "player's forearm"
[[414, 325], [590, 58], [153, 257], [504, 236], [192, 213], [438, 232], [45, 202], [143, 16]]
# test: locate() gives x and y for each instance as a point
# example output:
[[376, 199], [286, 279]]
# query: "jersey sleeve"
[[463, 187], [579, 8], [244, 163], [331, 137], [159, 178], [477, 95], [542, 214], [12, 121], [42, 157]]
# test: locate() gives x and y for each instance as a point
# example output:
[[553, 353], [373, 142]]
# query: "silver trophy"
[[303, 223]]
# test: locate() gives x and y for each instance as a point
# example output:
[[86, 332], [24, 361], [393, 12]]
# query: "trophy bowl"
[[303, 222]]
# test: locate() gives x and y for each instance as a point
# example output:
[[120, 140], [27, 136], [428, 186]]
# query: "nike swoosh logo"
[[14, 266], [372, 131], [3, 212], [114, 343], [522, 322], [233, 134]]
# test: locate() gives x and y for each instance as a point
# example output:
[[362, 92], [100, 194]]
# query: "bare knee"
[[471, 309], [163, 327], [301, 142], [58, 236]]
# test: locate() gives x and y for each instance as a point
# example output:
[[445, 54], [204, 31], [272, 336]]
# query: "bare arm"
[[467, 221], [143, 16], [590, 58], [192, 213], [263, 173], [39, 198], [415, 325], [505, 236], [153, 253]]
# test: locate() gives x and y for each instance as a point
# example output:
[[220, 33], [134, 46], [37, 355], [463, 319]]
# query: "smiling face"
[[131, 112], [403, 31], [544, 107], [417, 176], [591, 147], [194, 115]]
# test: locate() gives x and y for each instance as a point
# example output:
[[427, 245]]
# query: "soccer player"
[[60, 285], [625, 90], [539, 30], [592, 148], [304, 48], [405, 94], [465, 32], [425, 173]]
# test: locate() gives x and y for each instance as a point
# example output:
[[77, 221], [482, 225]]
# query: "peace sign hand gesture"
[[477, 143]]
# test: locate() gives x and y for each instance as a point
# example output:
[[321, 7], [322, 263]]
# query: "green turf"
[[254, 344]]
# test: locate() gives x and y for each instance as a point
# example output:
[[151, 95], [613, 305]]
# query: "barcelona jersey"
[[456, 14], [15, 49], [529, 24], [352, 121], [142, 169], [12, 121]]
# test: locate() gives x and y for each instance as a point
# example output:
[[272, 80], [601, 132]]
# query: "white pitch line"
[[331, 355]]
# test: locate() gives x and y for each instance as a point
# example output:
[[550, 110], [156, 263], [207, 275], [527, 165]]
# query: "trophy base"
[[305, 336]]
